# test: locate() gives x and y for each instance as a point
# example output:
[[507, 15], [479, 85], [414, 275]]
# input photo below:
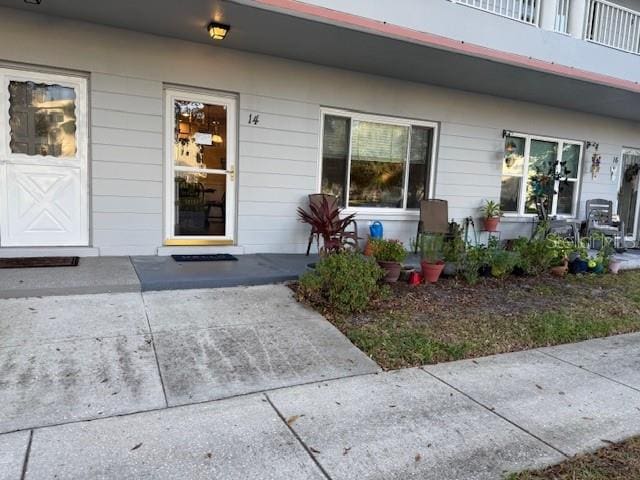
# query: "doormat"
[[38, 262], [217, 257]]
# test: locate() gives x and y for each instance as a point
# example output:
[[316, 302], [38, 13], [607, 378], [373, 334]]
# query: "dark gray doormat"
[[217, 257], [38, 262]]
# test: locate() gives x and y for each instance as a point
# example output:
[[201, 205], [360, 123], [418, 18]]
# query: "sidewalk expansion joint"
[[499, 415], [26, 456], [297, 437], [584, 369], [155, 353]]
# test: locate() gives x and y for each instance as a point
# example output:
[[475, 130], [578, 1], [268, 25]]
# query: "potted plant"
[[389, 254], [430, 247], [560, 249], [579, 257], [452, 250], [491, 213]]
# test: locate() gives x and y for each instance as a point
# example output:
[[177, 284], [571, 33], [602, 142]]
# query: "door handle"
[[232, 172]]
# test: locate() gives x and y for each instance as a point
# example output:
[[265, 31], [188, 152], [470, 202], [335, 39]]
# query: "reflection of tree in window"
[[378, 157], [335, 155], [42, 119]]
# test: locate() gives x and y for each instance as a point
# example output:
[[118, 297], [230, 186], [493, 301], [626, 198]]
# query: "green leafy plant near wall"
[[344, 282]]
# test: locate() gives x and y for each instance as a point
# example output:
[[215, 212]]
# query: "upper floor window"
[[540, 168], [376, 162]]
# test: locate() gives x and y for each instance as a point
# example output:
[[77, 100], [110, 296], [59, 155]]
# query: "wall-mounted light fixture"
[[218, 31]]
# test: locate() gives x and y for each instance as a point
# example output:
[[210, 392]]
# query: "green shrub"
[[474, 258], [388, 250], [343, 282], [533, 256], [502, 263]]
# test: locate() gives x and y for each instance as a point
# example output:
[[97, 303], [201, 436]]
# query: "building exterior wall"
[[453, 20], [278, 158]]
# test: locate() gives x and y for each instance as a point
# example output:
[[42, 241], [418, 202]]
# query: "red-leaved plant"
[[325, 221]]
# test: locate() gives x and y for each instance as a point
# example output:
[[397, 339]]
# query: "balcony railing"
[[562, 16], [527, 11], [613, 26]]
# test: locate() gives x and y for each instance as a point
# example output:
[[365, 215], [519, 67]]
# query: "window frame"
[[387, 120], [524, 178]]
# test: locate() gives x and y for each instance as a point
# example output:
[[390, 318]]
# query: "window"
[[540, 168], [42, 119], [376, 162]]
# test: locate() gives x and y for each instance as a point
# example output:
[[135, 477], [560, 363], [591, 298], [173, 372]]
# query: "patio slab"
[[13, 448], [164, 273], [405, 425], [92, 275], [35, 320], [615, 357], [244, 340], [76, 357], [567, 407], [234, 439]]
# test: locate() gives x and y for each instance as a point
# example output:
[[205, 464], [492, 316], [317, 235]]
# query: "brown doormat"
[[37, 262]]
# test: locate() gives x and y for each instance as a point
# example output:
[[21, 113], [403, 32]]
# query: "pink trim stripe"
[[403, 33]]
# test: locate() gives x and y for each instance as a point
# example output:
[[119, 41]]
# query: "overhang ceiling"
[[265, 31]]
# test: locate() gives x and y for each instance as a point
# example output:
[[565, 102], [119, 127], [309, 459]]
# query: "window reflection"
[[42, 119]]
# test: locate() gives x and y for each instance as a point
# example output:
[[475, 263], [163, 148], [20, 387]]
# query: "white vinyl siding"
[[278, 158]]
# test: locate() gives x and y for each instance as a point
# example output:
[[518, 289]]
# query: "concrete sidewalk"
[[475, 419]]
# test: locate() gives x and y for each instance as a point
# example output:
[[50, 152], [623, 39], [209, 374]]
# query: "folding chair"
[[434, 218]]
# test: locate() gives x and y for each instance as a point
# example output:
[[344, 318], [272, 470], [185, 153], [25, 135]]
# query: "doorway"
[[628, 193], [43, 160], [201, 167]]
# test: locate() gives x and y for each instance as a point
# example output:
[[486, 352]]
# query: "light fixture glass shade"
[[218, 31]]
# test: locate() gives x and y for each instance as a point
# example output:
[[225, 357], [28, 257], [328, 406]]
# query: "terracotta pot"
[[392, 271], [614, 266], [431, 271], [368, 249], [491, 224], [560, 270]]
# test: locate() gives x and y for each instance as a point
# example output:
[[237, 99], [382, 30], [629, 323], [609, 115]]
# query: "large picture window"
[[543, 169], [376, 162]]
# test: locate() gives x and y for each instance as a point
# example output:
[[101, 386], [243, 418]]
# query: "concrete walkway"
[[147, 273], [244, 383]]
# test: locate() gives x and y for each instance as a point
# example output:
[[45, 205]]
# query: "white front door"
[[201, 162], [43, 160]]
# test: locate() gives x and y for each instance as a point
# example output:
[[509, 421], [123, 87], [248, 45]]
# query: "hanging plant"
[[630, 172], [595, 164]]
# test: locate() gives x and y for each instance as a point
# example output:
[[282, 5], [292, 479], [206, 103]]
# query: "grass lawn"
[[452, 320], [616, 462]]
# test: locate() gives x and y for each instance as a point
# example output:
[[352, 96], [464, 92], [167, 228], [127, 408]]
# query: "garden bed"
[[616, 462], [452, 320]]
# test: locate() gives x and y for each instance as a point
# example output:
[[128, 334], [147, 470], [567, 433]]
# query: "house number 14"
[[254, 119]]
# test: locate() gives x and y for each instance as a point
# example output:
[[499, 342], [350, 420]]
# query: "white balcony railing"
[[527, 11], [613, 26], [562, 16]]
